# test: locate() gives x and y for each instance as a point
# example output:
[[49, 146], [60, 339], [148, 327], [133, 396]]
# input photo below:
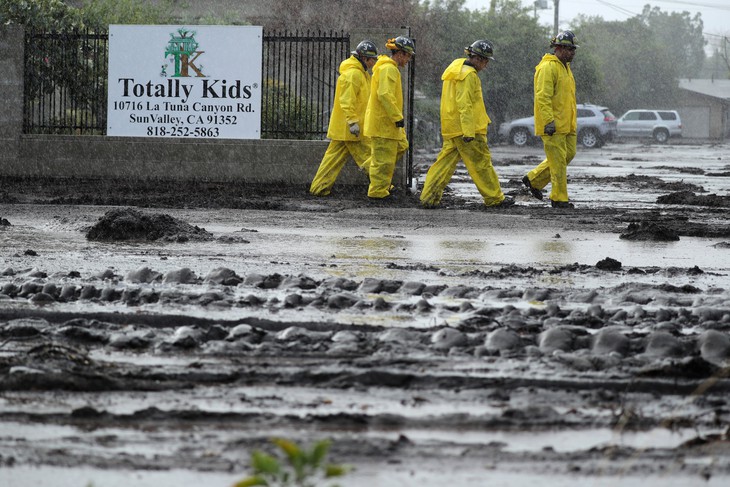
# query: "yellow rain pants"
[[478, 161], [559, 150], [334, 159], [384, 156]]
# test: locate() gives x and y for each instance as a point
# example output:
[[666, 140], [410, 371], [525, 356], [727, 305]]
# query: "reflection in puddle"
[[473, 246], [368, 247], [554, 251]]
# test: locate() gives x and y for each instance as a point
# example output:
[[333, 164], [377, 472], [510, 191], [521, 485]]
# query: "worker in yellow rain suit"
[[464, 122], [384, 122], [345, 129], [555, 120]]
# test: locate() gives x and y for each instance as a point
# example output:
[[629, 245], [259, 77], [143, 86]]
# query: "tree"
[[98, 14], [43, 15], [637, 70], [681, 35]]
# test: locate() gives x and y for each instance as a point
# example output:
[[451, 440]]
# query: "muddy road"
[[156, 334]]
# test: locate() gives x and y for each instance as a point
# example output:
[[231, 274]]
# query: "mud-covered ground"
[[157, 333]]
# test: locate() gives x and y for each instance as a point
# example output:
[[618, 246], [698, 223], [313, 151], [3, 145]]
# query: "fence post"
[[12, 52]]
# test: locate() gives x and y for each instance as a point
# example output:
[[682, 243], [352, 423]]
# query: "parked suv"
[[659, 124], [596, 125]]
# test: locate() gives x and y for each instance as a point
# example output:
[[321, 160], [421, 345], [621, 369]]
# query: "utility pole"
[[556, 21]]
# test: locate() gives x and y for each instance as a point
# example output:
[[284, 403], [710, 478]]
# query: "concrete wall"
[[11, 90], [252, 161]]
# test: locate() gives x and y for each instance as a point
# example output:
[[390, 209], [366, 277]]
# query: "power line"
[[618, 9], [697, 4]]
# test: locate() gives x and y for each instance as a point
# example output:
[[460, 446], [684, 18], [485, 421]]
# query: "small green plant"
[[306, 468]]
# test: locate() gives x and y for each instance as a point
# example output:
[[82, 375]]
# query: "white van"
[[659, 124]]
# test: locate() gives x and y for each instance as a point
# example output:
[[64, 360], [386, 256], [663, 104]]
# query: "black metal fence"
[[66, 82], [300, 72]]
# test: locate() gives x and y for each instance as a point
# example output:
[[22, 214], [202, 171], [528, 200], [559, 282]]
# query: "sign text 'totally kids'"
[[185, 81]]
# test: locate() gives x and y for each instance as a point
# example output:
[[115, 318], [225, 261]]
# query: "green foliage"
[[40, 14], [680, 35], [98, 14], [55, 15], [285, 114], [638, 70], [303, 467]]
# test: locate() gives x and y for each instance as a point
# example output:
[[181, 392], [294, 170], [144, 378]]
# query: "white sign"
[[197, 81]]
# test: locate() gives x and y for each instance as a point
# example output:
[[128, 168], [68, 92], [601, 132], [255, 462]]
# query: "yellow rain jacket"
[[351, 99], [554, 96], [385, 106], [462, 104]]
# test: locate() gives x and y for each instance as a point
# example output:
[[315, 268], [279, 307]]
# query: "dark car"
[[596, 125]]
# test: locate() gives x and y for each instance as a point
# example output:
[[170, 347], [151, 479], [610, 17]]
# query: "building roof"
[[716, 88]]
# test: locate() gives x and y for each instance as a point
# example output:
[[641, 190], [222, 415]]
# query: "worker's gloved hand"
[[467, 139], [355, 129], [400, 123], [550, 128]]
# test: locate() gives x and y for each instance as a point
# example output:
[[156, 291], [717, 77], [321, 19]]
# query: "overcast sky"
[[715, 13]]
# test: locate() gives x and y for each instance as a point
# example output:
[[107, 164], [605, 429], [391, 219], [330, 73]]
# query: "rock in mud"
[[180, 276], [132, 341], [293, 300], [610, 340], [83, 334], [224, 276], [370, 285], [130, 224], [240, 331], [340, 283], [447, 338], [714, 347], [399, 335], [502, 340], [298, 333], [42, 298], [300, 282], [663, 344], [105, 274], [185, 337], [608, 264], [649, 231], [68, 292], [29, 288], [412, 288], [558, 338], [143, 275], [345, 336], [342, 300]]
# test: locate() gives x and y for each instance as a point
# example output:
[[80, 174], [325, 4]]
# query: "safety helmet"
[[481, 48], [565, 39], [366, 48], [401, 43]]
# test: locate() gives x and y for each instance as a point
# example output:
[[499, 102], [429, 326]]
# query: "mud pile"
[[132, 224]]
